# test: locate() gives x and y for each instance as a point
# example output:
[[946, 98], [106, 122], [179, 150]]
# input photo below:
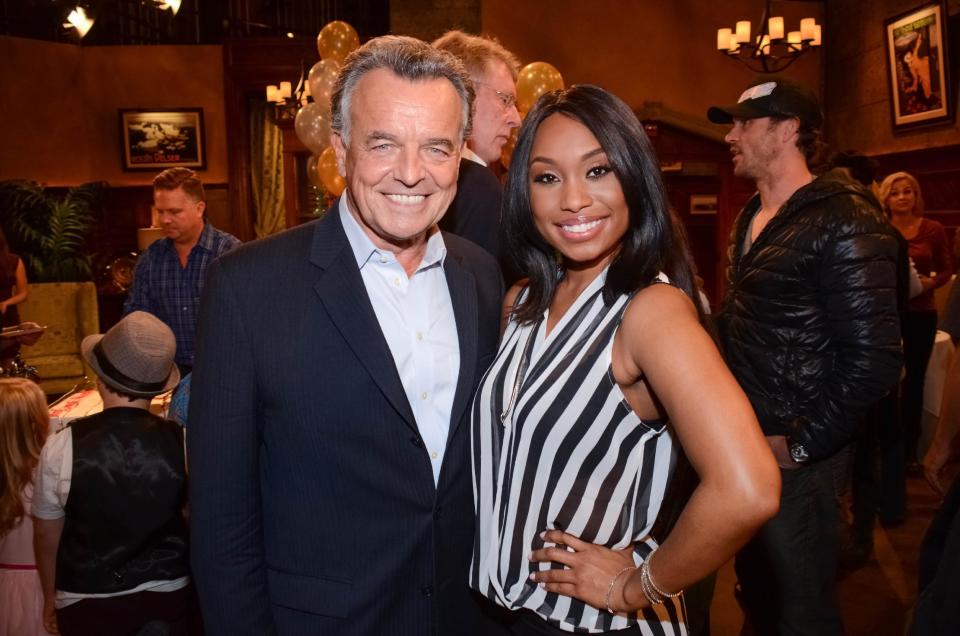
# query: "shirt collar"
[[206, 237], [204, 241], [363, 248], [472, 156]]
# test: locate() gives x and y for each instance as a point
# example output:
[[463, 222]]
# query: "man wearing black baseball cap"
[[810, 330]]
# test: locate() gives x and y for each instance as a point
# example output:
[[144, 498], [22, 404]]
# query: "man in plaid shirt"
[[169, 275]]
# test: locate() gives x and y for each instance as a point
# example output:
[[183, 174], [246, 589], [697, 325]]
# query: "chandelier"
[[772, 49]]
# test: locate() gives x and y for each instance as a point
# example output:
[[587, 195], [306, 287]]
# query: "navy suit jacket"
[[313, 503], [474, 213]]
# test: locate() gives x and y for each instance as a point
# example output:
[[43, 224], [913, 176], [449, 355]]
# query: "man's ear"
[[336, 141], [789, 128]]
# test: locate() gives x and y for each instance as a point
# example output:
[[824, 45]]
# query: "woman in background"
[[13, 291], [23, 429], [930, 253], [603, 367]]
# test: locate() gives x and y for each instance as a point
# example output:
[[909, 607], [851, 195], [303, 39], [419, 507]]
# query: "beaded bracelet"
[[613, 581], [654, 594]]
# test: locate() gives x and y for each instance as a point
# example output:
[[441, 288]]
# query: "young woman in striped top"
[[600, 373]]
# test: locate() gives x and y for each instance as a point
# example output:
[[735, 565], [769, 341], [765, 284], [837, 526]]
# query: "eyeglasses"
[[507, 101]]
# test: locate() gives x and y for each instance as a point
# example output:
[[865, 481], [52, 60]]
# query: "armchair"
[[69, 312]]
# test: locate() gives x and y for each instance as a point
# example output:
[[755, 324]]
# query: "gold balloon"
[[336, 41], [313, 127], [329, 175], [313, 174], [321, 79], [534, 80]]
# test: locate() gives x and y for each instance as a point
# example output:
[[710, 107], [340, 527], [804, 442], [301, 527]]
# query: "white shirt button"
[[419, 336], [396, 281], [433, 454], [423, 396]]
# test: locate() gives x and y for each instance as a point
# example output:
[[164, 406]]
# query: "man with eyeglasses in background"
[[475, 212]]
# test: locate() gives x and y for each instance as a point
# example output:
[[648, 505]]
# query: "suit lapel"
[[344, 296], [463, 295]]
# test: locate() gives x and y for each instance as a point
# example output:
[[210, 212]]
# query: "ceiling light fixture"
[[79, 20], [772, 49], [173, 5]]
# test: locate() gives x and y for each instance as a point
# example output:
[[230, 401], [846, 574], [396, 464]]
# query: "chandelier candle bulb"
[[743, 31], [765, 44], [272, 92], [775, 28], [723, 39], [286, 90], [807, 28], [734, 44], [816, 35], [794, 38]]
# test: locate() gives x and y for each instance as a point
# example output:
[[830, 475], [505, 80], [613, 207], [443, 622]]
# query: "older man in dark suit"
[[328, 441], [475, 212]]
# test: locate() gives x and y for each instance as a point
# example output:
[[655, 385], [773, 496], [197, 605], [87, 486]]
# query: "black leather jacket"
[[809, 323]]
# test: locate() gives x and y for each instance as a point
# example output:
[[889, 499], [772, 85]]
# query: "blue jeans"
[[786, 572]]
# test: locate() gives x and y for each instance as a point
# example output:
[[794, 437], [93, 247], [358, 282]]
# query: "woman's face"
[[902, 198], [578, 204]]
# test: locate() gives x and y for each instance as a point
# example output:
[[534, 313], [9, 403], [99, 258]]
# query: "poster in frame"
[[703, 204], [155, 139], [917, 64]]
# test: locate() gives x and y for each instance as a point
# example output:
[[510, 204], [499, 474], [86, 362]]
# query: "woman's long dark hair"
[[4, 247], [654, 241]]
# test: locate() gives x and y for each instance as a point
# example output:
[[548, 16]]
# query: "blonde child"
[[23, 428]]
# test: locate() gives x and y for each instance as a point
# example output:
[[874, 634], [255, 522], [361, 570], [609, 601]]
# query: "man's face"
[[180, 215], [494, 111], [755, 145], [403, 156]]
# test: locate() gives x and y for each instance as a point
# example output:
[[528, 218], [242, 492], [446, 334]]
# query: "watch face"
[[798, 453]]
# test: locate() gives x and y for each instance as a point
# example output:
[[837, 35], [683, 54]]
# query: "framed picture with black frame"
[[155, 139], [918, 67]]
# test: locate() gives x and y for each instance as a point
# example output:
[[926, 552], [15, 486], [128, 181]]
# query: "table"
[[87, 402]]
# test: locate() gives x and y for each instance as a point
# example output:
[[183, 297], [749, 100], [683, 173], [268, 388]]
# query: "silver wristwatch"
[[798, 453]]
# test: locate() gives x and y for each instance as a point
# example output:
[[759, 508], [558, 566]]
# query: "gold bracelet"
[[613, 581]]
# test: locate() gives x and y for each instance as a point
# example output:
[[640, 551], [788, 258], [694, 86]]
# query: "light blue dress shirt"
[[416, 316]]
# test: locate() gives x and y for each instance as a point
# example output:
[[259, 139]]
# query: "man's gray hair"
[[405, 57], [477, 51]]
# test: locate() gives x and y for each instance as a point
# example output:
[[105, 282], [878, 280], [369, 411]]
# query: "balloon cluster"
[[534, 80], [335, 42]]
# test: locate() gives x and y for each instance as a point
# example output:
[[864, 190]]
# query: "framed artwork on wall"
[[703, 204], [154, 139], [917, 63]]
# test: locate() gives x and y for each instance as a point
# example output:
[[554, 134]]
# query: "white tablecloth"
[[937, 373], [88, 402]]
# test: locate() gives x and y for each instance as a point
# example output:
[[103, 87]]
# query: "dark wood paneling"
[[701, 166]]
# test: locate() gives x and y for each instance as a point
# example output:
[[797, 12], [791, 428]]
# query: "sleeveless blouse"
[[555, 445]]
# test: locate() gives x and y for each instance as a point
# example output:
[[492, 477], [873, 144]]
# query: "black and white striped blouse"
[[555, 445]]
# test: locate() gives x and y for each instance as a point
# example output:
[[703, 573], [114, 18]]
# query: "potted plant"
[[50, 230]]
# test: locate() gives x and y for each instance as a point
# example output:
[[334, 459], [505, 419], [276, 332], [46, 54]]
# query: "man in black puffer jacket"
[[810, 329]]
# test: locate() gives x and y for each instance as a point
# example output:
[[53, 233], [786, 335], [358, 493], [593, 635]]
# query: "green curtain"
[[266, 170]]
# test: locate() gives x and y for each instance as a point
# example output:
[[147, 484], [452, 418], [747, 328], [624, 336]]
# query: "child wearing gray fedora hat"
[[110, 536]]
